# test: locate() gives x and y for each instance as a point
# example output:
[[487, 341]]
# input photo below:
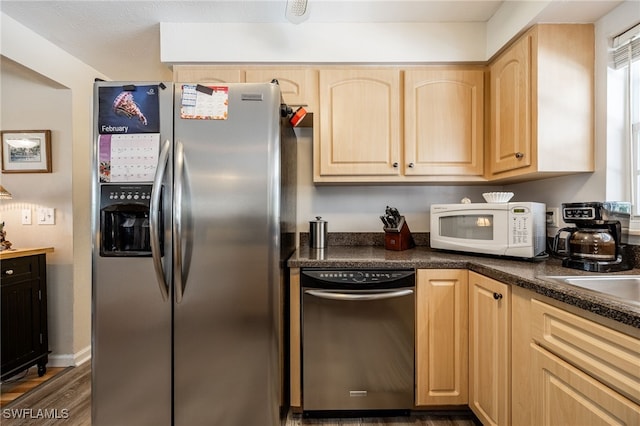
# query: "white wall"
[[322, 43], [62, 70], [606, 183], [509, 20], [31, 102], [353, 208]]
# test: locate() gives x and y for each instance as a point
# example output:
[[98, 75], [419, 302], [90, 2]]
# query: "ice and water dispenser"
[[124, 220]]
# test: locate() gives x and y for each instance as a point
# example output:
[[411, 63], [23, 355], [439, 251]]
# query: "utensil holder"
[[398, 238]]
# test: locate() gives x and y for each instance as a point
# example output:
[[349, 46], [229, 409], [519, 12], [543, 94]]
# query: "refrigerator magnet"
[[128, 109], [200, 102]]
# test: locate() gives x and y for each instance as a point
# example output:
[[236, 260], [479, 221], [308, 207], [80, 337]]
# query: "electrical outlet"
[[46, 216], [553, 216], [26, 216]]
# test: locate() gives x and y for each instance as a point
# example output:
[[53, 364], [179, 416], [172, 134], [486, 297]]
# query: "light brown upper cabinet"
[[373, 130], [444, 122], [526, 114], [542, 104], [298, 86], [360, 125], [207, 74]]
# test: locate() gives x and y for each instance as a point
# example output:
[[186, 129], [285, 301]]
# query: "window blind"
[[626, 47]]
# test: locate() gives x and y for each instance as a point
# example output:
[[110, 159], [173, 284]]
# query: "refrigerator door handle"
[[177, 221], [154, 219]]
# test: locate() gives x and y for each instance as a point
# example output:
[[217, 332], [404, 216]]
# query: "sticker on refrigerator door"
[[128, 109], [204, 102], [128, 158]]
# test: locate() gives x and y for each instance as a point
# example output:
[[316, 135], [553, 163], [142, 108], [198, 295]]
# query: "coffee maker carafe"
[[596, 243]]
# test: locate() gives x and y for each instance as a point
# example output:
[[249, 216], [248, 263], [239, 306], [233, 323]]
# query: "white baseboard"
[[70, 360]]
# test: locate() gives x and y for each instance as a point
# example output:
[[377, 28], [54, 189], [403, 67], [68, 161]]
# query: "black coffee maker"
[[597, 242]]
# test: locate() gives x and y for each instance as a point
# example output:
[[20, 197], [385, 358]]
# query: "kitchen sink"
[[625, 288]]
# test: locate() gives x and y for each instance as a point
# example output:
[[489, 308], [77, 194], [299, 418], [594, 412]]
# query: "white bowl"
[[497, 197]]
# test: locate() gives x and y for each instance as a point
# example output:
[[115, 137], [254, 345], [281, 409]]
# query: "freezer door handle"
[[177, 221], [154, 219], [336, 295]]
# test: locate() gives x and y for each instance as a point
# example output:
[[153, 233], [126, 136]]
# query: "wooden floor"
[[65, 399], [414, 420], [21, 383]]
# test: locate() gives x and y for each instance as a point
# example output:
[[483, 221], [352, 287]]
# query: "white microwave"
[[503, 229]]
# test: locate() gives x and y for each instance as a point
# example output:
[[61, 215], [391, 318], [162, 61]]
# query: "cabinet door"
[[359, 123], [608, 355], [563, 118], [442, 337], [510, 140], [444, 122], [206, 74], [298, 86], [20, 322], [24, 313], [295, 342], [565, 396], [489, 344]]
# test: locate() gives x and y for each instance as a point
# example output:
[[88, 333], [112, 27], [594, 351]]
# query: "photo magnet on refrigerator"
[[128, 109]]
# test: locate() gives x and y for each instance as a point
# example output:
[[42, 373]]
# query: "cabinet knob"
[[519, 155], [497, 296], [9, 272], [395, 165], [411, 165]]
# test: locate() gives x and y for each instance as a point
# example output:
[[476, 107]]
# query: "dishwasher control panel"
[[377, 277]]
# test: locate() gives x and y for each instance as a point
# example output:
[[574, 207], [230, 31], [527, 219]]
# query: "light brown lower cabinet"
[[441, 337], [489, 350], [295, 341], [565, 396], [584, 373], [513, 358]]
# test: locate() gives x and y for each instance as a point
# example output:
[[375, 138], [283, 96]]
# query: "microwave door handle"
[[334, 295], [154, 219]]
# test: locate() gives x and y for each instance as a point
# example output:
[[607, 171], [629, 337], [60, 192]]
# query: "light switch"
[[46, 216], [26, 216]]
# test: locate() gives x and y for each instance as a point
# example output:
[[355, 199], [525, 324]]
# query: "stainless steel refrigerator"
[[193, 218]]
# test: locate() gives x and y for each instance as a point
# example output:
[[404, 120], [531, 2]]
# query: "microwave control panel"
[[520, 229]]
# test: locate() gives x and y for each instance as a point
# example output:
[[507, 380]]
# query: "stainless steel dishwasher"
[[357, 339]]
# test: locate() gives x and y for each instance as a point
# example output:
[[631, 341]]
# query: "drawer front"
[[18, 269], [606, 354], [565, 396]]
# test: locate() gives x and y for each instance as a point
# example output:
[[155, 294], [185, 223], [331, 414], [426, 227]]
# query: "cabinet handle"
[[411, 165], [497, 296], [9, 272], [395, 165], [519, 155]]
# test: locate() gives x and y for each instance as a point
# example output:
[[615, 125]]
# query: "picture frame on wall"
[[26, 151]]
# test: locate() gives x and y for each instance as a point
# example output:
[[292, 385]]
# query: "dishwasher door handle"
[[336, 295]]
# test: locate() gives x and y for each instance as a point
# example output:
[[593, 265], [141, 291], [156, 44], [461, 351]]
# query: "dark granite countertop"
[[521, 273]]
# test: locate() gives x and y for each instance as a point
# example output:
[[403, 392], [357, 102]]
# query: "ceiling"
[[122, 38]]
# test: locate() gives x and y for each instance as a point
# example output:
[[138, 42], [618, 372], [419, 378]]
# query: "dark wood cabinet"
[[23, 289]]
